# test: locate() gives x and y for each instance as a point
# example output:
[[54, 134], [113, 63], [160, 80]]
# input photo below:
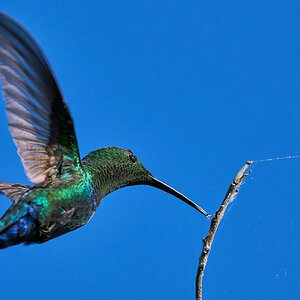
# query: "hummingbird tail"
[[18, 233], [18, 225]]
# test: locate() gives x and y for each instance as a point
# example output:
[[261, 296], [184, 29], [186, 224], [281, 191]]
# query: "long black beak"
[[162, 186]]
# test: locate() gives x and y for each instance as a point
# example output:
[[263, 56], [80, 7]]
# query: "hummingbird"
[[66, 189]]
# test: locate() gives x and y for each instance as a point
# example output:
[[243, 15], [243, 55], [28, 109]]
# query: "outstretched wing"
[[39, 119]]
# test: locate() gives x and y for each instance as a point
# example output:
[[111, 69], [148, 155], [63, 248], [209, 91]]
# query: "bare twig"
[[208, 240]]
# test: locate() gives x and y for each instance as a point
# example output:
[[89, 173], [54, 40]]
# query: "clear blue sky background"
[[194, 88]]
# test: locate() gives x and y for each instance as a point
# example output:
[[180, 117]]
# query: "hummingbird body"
[[48, 212], [67, 189]]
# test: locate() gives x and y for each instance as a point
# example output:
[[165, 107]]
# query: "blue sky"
[[194, 89]]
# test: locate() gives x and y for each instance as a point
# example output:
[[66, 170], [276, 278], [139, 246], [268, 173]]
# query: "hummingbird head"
[[114, 168]]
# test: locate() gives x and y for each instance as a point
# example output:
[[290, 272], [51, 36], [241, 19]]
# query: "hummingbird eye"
[[132, 158]]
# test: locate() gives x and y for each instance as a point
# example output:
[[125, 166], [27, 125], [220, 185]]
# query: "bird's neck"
[[105, 177]]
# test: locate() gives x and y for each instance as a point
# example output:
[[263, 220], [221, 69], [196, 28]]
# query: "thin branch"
[[208, 240]]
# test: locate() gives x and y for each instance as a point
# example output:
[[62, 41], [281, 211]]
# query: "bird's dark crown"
[[114, 155]]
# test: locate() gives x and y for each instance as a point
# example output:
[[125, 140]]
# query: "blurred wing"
[[39, 119], [13, 191]]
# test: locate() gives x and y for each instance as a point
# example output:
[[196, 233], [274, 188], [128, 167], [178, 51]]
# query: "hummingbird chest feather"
[[63, 209]]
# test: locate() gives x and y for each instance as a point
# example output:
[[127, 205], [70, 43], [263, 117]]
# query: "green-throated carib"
[[67, 190]]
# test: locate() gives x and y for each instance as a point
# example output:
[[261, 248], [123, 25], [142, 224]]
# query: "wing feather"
[[39, 119], [13, 191]]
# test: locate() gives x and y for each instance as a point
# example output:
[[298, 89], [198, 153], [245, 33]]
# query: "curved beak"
[[163, 186]]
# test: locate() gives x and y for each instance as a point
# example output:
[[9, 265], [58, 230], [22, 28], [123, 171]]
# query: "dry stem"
[[208, 240]]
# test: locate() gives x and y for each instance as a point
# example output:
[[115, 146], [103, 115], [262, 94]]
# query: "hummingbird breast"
[[63, 209]]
